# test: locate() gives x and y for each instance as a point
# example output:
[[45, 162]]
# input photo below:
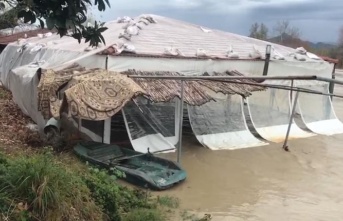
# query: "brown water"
[[266, 183]]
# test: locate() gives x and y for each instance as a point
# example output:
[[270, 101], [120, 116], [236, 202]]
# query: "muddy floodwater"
[[266, 183]]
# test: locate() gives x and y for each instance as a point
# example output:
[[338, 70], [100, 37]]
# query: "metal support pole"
[[106, 63], [180, 125], [332, 84], [266, 62], [106, 128], [291, 91], [285, 147], [262, 78], [79, 126], [78, 123]]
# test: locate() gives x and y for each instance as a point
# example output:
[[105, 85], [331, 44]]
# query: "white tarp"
[[23, 83], [221, 125], [199, 66], [19, 63], [317, 111], [270, 114], [153, 126], [57, 51]]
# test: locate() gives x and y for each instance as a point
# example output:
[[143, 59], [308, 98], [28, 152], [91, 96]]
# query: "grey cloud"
[[259, 0], [318, 20], [325, 10]]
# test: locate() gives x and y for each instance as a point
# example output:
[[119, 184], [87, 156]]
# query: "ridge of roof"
[[150, 35], [4, 40]]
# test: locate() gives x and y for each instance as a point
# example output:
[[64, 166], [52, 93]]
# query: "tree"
[[283, 28], [339, 52], [263, 32], [259, 31], [62, 15], [254, 30], [8, 19], [340, 37]]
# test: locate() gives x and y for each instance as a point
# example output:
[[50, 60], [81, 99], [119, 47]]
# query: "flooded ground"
[[266, 183]]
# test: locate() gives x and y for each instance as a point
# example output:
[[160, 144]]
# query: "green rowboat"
[[144, 170]]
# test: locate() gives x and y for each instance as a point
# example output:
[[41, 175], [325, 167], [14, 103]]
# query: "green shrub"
[[47, 190], [104, 191], [133, 199], [168, 201], [113, 198], [3, 159], [145, 215], [37, 187]]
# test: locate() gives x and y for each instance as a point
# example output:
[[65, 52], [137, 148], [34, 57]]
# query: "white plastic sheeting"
[[18, 66], [199, 66], [23, 83], [184, 66], [18, 74], [270, 115], [93, 129], [317, 111], [221, 125], [151, 41], [151, 125], [18, 29]]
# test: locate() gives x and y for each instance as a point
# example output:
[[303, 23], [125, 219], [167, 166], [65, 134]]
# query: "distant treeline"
[[286, 34]]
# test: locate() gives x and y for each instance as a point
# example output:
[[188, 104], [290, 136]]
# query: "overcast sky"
[[318, 20]]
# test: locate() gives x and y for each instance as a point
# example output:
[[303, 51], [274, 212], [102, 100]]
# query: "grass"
[[43, 190], [168, 201], [145, 215], [4, 94], [37, 184], [47, 186]]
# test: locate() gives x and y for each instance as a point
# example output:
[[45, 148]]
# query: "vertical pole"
[[107, 131], [285, 147], [266, 62], [332, 85], [180, 124], [106, 62], [103, 131], [292, 85], [78, 126], [79, 123]]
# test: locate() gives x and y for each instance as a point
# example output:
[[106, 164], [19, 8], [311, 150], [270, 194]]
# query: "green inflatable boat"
[[140, 169]]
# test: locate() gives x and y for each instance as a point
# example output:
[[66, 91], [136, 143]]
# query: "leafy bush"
[[9, 19], [113, 198], [168, 201], [3, 160], [104, 192], [144, 215], [38, 187], [43, 190]]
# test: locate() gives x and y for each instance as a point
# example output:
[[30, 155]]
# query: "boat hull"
[[144, 170]]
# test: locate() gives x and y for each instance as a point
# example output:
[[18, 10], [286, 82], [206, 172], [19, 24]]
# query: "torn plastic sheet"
[[151, 125], [270, 112], [221, 125], [317, 111]]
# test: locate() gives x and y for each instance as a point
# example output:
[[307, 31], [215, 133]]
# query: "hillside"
[[288, 40], [320, 45]]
